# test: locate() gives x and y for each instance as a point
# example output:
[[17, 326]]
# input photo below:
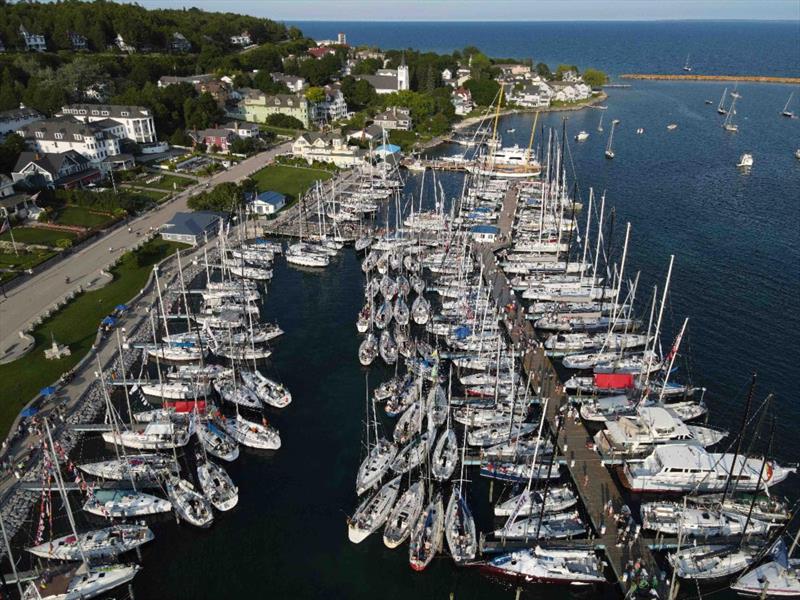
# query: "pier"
[[440, 165], [731, 78], [592, 479]]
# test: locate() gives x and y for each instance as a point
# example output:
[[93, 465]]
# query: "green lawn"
[[35, 235], [280, 130], [11, 264], [81, 216], [76, 325], [166, 182], [290, 181]]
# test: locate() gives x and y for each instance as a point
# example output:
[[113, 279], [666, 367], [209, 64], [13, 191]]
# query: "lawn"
[[16, 264], [35, 235], [280, 130], [81, 216], [76, 325], [166, 182], [290, 181]]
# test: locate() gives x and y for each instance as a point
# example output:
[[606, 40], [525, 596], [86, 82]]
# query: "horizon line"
[[748, 20]]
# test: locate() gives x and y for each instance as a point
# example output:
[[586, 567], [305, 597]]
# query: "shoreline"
[[469, 121], [678, 77]]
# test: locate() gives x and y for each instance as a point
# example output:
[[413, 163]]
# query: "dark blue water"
[[736, 240], [726, 48]]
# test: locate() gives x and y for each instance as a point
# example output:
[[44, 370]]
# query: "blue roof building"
[[485, 233], [191, 227], [266, 203]]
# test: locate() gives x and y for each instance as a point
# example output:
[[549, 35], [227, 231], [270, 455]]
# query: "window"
[[95, 112], [39, 135], [59, 136], [77, 137], [82, 111], [124, 113], [104, 113]]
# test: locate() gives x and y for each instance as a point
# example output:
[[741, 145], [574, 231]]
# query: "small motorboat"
[[745, 161]]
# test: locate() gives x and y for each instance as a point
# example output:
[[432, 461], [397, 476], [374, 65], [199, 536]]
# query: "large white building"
[[33, 41], [137, 121], [91, 140], [327, 147], [12, 120], [387, 81]]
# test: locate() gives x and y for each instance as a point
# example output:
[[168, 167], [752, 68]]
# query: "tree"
[[543, 71], [480, 66], [202, 112], [368, 66], [315, 95], [225, 197], [10, 150], [564, 69], [285, 121], [594, 78], [244, 146], [8, 94], [358, 94], [484, 91], [263, 81]]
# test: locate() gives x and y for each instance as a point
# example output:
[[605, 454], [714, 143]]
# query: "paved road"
[[32, 298]]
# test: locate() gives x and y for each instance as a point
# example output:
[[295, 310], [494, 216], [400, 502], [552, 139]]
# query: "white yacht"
[[78, 582], [745, 161], [582, 136], [101, 543], [123, 504], [373, 512], [154, 436], [538, 565]]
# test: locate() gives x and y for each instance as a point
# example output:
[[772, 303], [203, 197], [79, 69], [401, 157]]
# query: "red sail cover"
[[186, 406], [613, 381]]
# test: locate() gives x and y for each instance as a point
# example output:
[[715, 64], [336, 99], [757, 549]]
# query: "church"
[[387, 81]]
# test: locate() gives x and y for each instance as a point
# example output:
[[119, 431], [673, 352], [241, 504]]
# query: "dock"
[[592, 479], [441, 165]]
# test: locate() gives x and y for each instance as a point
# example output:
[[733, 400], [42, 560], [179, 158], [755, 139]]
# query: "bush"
[[64, 243], [285, 121]]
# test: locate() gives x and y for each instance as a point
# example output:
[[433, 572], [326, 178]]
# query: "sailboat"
[[426, 539], [609, 150], [600, 125], [773, 578], [189, 504], [786, 112], [729, 125], [459, 524], [404, 515], [216, 484], [101, 543], [373, 512], [686, 66], [721, 106]]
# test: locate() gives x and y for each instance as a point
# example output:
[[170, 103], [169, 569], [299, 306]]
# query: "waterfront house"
[[266, 203], [257, 106], [327, 147], [179, 43], [371, 132], [34, 42], [191, 227], [68, 170], [243, 129], [531, 95], [77, 41], [564, 91], [14, 119], [295, 83], [511, 69], [137, 121], [462, 101], [387, 81], [395, 117], [243, 39]]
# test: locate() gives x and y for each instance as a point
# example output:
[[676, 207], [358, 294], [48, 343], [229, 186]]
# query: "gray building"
[[191, 227]]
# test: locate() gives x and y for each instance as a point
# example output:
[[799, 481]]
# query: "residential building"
[[570, 76], [327, 147], [321, 51], [33, 41], [530, 95], [67, 170], [462, 101], [341, 40], [395, 117], [137, 120], [387, 81], [243, 129], [257, 106], [366, 53], [462, 75], [194, 80], [122, 45], [219, 137], [179, 43], [369, 133], [513, 69], [295, 83], [243, 39], [216, 88], [565, 91], [333, 108], [65, 133], [17, 206], [77, 41], [14, 119], [6, 186], [191, 227], [266, 203]]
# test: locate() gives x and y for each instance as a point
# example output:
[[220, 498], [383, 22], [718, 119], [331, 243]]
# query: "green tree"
[[285, 121], [480, 67], [263, 81], [595, 78], [564, 69], [202, 112], [315, 95], [543, 71], [10, 150], [358, 94], [8, 93], [484, 91], [368, 66]]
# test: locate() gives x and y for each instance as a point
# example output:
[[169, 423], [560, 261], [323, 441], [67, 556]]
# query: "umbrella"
[[29, 411], [108, 321]]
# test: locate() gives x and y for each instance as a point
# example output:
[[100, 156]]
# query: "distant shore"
[[688, 77]]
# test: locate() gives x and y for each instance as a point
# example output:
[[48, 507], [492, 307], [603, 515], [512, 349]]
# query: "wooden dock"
[[593, 481]]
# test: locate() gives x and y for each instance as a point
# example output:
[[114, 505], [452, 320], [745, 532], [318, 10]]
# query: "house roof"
[[114, 110], [52, 162], [233, 125], [272, 198], [15, 114], [191, 223], [395, 113], [67, 127], [490, 229], [320, 52], [380, 82]]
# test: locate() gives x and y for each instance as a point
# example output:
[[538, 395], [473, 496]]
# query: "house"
[[387, 81], [564, 91], [12, 120], [243, 129], [219, 137], [193, 80], [60, 134], [327, 147], [137, 121], [531, 95], [462, 75], [179, 43], [484, 234], [341, 40], [295, 83], [77, 41], [462, 101], [6, 186], [513, 69], [266, 203], [321, 51], [369, 133], [191, 227], [333, 108], [394, 118], [570, 76], [257, 106], [243, 39], [122, 45], [33, 41], [18, 206], [67, 170], [216, 88], [365, 53]]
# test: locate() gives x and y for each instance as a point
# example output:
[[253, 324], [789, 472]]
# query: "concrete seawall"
[[745, 78]]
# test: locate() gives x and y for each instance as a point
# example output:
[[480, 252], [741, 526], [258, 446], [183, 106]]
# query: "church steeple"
[[403, 78]]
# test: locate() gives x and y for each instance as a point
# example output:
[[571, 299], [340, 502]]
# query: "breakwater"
[[691, 77]]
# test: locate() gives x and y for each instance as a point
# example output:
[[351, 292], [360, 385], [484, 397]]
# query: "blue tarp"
[[47, 391], [121, 307], [462, 332], [108, 321], [29, 411]]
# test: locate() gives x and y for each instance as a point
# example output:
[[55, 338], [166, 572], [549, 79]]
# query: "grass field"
[[9, 260], [76, 325], [83, 217], [34, 235], [290, 181], [166, 182]]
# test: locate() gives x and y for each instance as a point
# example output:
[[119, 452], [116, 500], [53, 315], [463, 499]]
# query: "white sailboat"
[[101, 543], [373, 512], [686, 66], [609, 150], [721, 106], [217, 485], [189, 504], [786, 112], [404, 515], [728, 124], [427, 535]]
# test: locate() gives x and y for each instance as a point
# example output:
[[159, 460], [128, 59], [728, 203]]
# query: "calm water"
[[731, 48], [735, 239]]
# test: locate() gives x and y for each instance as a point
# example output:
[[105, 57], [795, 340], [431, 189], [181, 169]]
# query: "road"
[[33, 297]]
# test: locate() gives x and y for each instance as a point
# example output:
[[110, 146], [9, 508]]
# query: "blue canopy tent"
[[109, 321], [29, 411], [121, 307]]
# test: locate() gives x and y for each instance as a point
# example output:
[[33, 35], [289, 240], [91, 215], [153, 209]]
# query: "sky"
[[496, 10]]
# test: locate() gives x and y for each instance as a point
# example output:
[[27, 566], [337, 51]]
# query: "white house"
[[532, 95], [12, 120], [387, 81], [327, 147], [266, 203], [57, 135], [191, 227], [120, 42], [64, 169], [395, 117], [295, 83], [33, 41], [137, 121], [570, 91], [333, 108], [462, 101], [243, 39]]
